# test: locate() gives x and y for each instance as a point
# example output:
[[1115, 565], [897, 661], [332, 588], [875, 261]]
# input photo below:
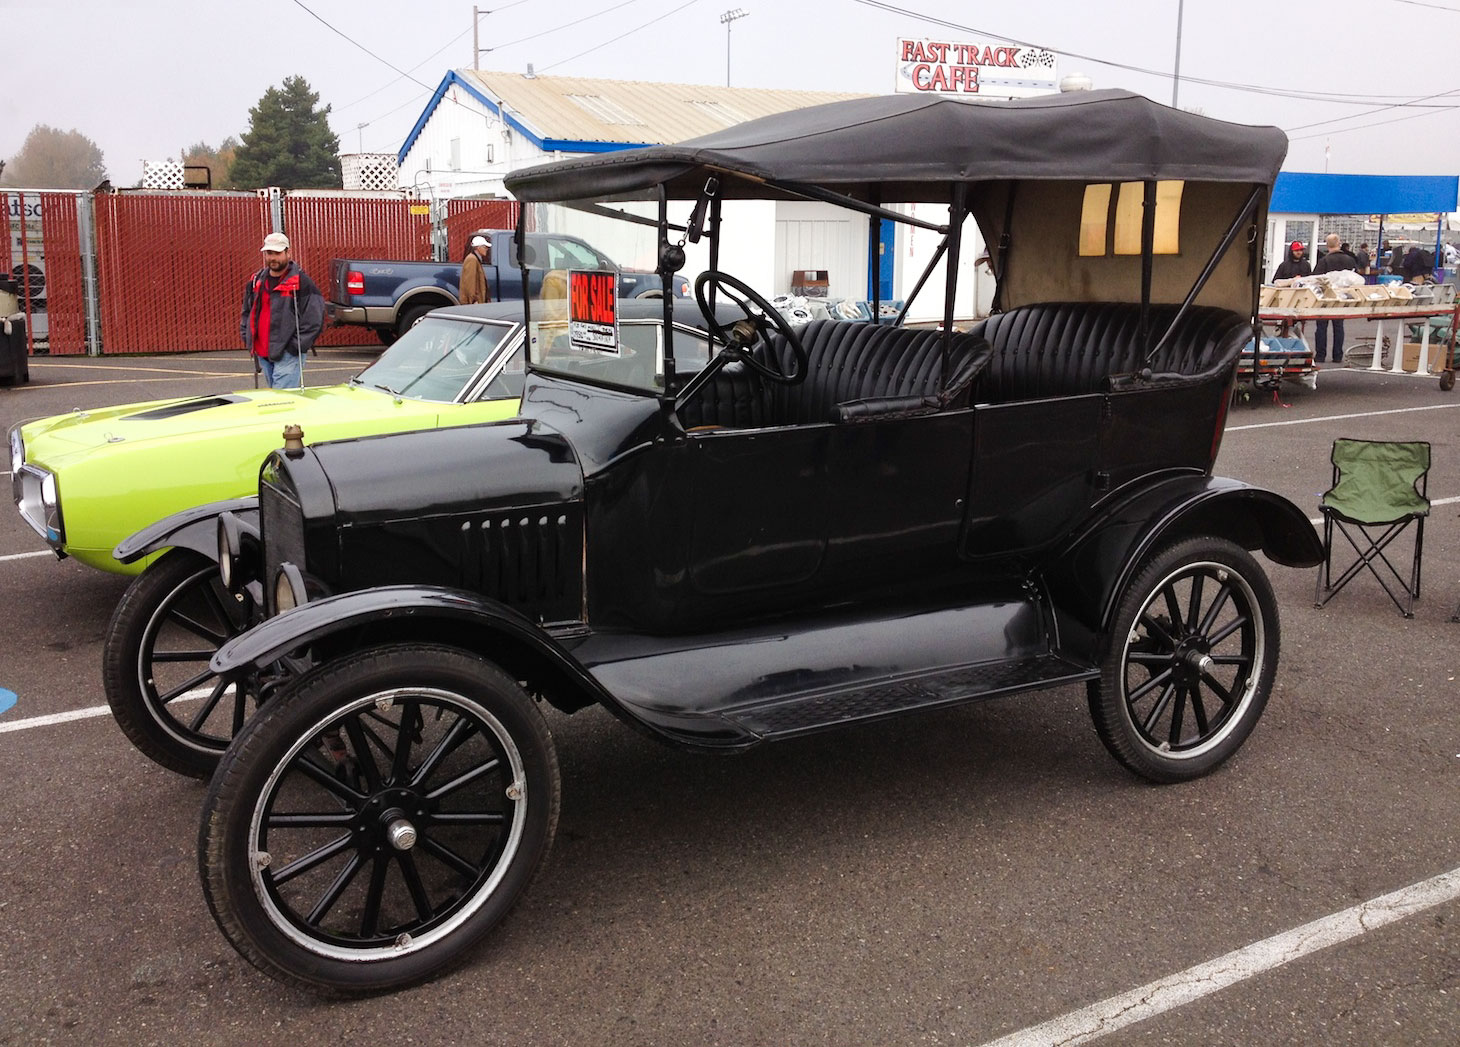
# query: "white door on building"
[[820, 236]]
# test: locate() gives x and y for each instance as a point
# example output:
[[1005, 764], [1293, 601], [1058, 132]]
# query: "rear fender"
[[195, 529], [1086, 580], [428, 614]]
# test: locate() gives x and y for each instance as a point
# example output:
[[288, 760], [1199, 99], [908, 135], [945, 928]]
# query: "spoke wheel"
[[366, 833], [164, 630], [1191, 660]]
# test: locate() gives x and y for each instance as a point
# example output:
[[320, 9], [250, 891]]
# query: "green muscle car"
[[85, 481]]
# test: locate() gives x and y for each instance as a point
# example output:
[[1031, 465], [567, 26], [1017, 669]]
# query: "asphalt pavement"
[[951, 878]]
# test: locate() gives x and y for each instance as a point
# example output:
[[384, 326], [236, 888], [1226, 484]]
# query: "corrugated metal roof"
[[578, 109]]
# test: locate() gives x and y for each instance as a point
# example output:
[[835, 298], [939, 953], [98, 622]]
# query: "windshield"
[[435, 359], [601, 320]]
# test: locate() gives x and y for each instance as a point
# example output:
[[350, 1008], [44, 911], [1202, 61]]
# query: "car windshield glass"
[[435, 359], [582, 308]]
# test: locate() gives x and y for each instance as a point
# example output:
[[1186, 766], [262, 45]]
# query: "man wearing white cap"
[[283, 313], [472, 288]]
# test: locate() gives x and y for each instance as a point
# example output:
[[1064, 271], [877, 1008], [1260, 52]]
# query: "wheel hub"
[[1192, 659], [391, 818]]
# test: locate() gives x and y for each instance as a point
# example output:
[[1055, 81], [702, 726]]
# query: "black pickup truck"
[[390, 296]]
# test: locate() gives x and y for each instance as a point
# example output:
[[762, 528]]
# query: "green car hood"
[[121, 468]]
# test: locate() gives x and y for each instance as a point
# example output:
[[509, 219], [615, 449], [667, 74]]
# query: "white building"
[[480, 125]]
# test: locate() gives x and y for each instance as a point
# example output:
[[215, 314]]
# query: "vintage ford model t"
[[819, 527]]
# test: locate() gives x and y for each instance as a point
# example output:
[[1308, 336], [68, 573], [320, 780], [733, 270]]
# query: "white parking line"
[[54, 718], [1340, 417], [1107, 1016], [23, 556]]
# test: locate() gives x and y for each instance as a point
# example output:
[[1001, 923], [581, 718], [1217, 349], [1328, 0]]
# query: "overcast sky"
[[1348, 80]]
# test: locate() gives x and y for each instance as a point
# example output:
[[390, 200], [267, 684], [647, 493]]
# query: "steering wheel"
[[757, 325]]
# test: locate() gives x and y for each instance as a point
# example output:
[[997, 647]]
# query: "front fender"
[[1086, 580], [429, 613], [195, 529]]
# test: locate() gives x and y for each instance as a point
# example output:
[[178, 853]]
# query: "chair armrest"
[[882, 408]]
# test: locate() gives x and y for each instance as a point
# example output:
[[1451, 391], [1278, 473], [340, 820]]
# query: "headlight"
[[17, 451], [226, 554], [39, 502], [289, 590]]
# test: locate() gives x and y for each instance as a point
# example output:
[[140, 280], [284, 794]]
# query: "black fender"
[[428, 614], [1085, 581], [195, 529]]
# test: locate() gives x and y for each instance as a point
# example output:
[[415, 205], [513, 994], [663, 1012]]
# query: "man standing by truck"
[[283, 313], [473, 283]]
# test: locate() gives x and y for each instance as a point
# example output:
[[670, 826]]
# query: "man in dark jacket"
[[1332, 262], [283, 313], [1294, 265]]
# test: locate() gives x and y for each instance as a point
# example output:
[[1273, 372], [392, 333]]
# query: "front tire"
[[370, 831], [166, 627], [1191, 659]]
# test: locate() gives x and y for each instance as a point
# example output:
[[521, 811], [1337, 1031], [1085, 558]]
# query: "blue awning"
[[1298, 192]]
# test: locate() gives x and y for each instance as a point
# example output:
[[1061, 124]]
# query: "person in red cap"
[[283, 313], [1295, 264]]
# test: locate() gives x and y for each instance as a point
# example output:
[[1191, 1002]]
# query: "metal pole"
[[1176, 77], [725, 19], [475, 43]]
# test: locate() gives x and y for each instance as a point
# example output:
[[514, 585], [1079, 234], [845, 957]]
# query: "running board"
[[804, 713]]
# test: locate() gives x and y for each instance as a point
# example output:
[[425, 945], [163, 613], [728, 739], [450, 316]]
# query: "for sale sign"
[[980, 68], [593, 311]]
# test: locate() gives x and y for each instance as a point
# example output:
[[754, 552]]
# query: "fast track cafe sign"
[[988, 69]]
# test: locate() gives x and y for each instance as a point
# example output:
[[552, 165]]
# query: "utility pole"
[[476, 48], [1176, 79], [725, 20]]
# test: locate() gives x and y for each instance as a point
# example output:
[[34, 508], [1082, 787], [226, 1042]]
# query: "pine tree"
[[288, 142]]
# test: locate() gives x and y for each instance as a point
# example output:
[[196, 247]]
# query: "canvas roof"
[[910, 147]]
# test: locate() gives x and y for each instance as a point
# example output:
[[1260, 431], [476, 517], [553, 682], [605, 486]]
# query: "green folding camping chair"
[[1379, 489]]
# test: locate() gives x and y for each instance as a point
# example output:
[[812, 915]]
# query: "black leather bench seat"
[[1073, 348], [854, 372]]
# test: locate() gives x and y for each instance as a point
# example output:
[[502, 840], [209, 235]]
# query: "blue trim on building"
[[1298, 192], [547, 145]]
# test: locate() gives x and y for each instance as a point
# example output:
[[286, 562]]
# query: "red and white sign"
[[593, 311], [984, 69]]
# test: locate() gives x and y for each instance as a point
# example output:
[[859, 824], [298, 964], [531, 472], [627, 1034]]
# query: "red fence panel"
[[65, 301], [462, 216], [321, 228], [25, 262], [172, 267]]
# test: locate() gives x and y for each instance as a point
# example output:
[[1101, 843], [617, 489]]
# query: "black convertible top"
[[910, 147]]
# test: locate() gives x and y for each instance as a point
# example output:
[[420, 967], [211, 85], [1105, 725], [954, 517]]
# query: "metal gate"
[[171, 268], [43, 268], [463, 216], [328, 226]]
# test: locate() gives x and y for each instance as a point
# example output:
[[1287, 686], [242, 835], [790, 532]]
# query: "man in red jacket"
[[283, 313]]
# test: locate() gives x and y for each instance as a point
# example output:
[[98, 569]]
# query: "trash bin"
[[14, 353]]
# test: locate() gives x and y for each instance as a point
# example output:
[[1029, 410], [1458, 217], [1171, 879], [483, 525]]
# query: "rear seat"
[[854, 373], [1071, 348]]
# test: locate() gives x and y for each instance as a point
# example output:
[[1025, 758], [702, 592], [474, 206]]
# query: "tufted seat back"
[[1070, 348], [854, 372]]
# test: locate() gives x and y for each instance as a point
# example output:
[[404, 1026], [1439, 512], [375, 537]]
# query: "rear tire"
[[370, 831], [1192, 654], [410, 318]]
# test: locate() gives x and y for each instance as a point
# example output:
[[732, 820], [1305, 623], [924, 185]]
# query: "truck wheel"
[[1192, 654], [155, 664], [410, 318], [370, 831]]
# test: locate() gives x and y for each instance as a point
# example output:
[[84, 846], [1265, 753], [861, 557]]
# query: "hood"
[[318, 411]]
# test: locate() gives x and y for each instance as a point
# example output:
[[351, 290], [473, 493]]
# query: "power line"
[[631, 32]]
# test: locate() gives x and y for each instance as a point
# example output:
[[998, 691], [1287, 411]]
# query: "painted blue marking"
[[7, 699]]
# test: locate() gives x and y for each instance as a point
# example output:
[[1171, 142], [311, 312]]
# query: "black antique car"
[[822, 526]]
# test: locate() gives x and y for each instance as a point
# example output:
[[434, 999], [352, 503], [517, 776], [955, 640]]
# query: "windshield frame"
[[472, 388]]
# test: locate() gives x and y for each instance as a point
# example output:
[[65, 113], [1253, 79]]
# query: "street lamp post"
[[725, 20]]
